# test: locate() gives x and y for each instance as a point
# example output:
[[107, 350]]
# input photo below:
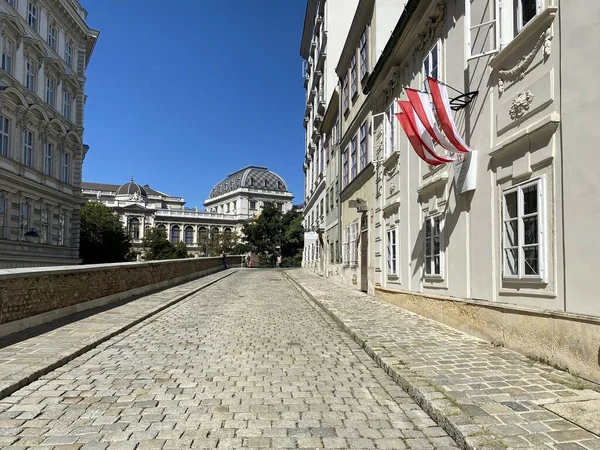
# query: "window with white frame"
[[364, 53], [27, 148], [69, 54], [30, 74], [392, 252], [346, 246], [346, 93], [390, 125], [48, 153], [3, 228], [11, 2], [52, 36], [434, 254], [4, 135], [67, 104], [350, 247], [353, 158], [44, 230], [252, 204], [62, 229], [32, 15], [25, 218], [523, 231], [431, 62], [490, 25], [353, 76], [50, 90], [66, 168], [345, 167], [8, 52], [363, 146]]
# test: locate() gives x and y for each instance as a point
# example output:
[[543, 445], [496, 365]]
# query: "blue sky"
[[181, 96]]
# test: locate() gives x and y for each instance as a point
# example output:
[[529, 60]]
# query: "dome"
[[254, 177], [132, 189]]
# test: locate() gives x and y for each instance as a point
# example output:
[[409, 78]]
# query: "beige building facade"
[[46, 47]]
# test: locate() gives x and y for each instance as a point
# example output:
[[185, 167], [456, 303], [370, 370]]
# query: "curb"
[[50, 364], [430, 399]]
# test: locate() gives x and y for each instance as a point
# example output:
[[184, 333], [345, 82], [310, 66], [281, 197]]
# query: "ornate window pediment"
[[10, 25]]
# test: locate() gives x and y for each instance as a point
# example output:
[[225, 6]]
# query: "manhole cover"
[[585, 413]]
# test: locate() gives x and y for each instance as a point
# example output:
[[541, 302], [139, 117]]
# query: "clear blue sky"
[[182, 93]]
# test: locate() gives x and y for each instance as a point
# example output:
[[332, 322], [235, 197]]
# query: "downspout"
[[562, 161], [339, 170]]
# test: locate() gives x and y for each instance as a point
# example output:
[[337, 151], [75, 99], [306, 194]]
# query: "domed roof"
[[132, 188], [254, 177]]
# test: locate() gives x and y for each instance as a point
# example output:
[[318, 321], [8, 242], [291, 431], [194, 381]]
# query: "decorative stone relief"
[[518, 71], [430, 27], [520, 105], [392, 188]]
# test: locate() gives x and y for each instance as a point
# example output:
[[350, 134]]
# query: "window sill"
[[538, 24]]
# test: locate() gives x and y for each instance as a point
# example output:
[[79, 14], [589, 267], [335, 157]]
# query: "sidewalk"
[[27, 355], [485, 397]]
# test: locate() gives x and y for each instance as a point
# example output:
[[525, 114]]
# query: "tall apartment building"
[[46, 47], [326, 25]]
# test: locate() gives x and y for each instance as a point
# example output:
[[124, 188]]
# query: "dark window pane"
[[511, 262], [530, 200], [529, 8], [531, 261], [510, 205], [428, 265], [427, 228], [436, 245], [530, 225], [436, 262], [511, 238]]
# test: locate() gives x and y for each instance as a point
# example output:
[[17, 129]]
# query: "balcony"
[[199, 215]]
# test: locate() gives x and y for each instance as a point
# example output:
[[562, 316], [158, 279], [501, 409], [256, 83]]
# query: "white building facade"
[[46, 47], [326, 25], [232, 202]]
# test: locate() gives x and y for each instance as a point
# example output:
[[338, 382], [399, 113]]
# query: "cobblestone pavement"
[[26, 355], [247, 362], [484, 396]]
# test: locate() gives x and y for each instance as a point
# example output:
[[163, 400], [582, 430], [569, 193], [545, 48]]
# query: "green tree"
[[272, 232], [157, 246], [102, 236]]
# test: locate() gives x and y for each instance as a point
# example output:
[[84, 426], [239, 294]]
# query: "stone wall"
[[26, 293], [569, 341]]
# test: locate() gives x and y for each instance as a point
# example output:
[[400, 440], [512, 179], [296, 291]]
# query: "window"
[[3, 228], [331, 198], [350, 246], [69, 54], [390, 129], [321, 158], [50, 87], [175, 234], [234, 205], [363, 145], [353, 159], [66, 169], [331, 252], [189, 235], [25, 219], [525, 10], [364, 54], [62, 229], [48, 152], [346, 93], [345, 166], [353, 76], [52, 36], [27, 148], [337, 192], [32, 16], [67, 104], [392, 252], [4, 135], [7, 55], [523, 252], [11, 2], [431, 63], [134, 228], [31, 75], [252, 204], [433, 246], [266, 183]]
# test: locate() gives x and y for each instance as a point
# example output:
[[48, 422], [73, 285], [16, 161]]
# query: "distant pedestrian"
[[225, 260]]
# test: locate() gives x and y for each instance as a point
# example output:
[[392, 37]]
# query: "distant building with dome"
[[232, 202]]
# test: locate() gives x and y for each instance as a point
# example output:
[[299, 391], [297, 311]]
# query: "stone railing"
[[30, 297]]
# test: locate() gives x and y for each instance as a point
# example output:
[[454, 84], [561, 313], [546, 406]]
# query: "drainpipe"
[[339, 168], [562, 160]]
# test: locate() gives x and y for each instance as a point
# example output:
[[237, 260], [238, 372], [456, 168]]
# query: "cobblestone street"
[[246, 362]]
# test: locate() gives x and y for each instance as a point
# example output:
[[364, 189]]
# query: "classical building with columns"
[[46, 47], [232, 202]]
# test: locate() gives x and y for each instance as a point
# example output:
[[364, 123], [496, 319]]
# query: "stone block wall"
[[25, 293]]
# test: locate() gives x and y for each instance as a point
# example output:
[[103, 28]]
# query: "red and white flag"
[[441, 102]]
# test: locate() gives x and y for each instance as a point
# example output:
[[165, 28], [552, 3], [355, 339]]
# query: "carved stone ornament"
[[392, 188], [520, 105], [392, 84], [518, 71], [431, 25], [44, 130]]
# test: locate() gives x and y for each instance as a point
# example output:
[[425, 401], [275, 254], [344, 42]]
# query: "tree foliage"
[[273, 232], [219, 243], [102, 236], [157, 246]]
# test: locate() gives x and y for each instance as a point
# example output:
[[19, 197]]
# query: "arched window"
[[214, 234], [175, 234], [203, 239], [162, 228], [189, 235], [227, 231], [134, 228]]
